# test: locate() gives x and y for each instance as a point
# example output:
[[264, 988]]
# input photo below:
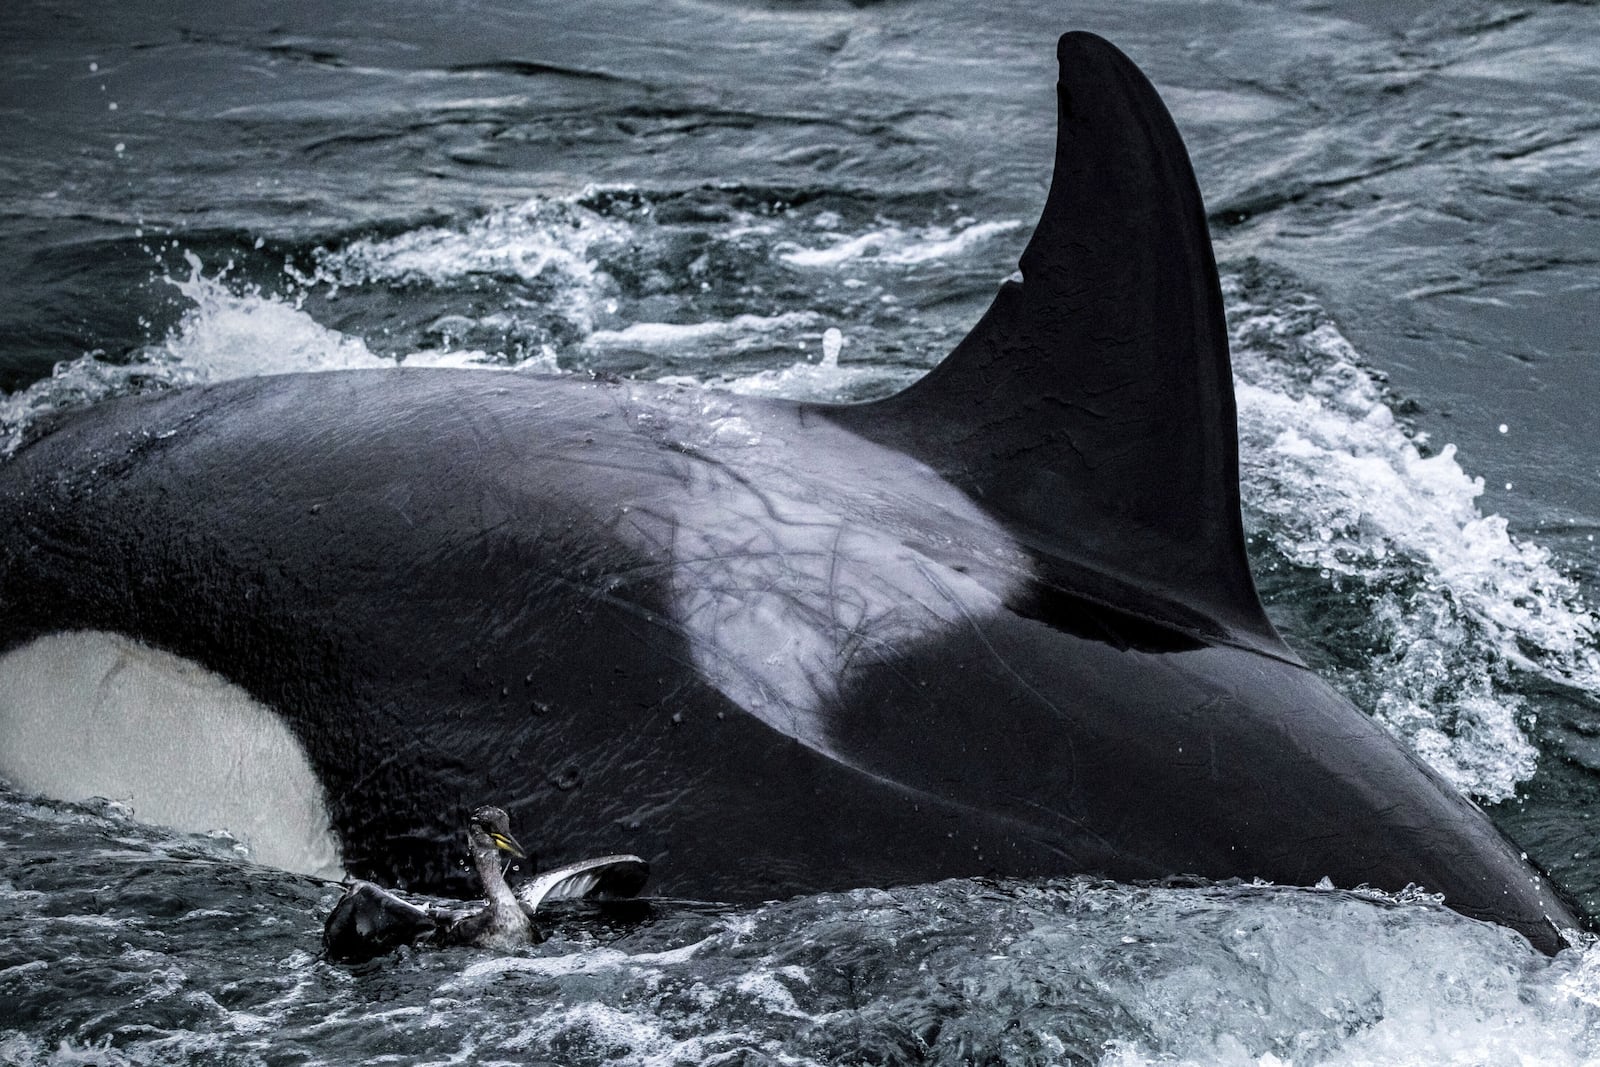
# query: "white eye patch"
[[93, 714]]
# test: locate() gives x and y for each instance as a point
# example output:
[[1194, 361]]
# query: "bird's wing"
[[605, 878]]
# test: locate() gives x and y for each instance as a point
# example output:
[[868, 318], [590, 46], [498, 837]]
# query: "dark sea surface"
[[816, 200]]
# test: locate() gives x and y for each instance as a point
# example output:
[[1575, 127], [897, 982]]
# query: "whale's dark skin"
[[1001, 623]]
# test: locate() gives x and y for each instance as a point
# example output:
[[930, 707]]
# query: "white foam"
[[1256, 975], [773, 996], [550, 242], [227, 335], [644, 1038], [1338, 483], [592, 961], [553, 244], [89, 714], [74, 383], [528, 241], [825, 381], [891, 244], [222, 335]]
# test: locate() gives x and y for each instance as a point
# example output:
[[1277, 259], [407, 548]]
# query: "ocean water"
[[816, 200]]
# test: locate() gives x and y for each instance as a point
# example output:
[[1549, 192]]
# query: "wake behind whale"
[[1000, 623]]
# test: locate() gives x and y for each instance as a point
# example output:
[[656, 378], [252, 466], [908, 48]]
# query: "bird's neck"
[[487, 861]]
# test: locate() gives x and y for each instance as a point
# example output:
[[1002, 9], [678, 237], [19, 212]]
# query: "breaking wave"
[[1433, 605], [134, 945]]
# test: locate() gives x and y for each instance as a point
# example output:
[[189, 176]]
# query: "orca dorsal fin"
[[1092, 407]]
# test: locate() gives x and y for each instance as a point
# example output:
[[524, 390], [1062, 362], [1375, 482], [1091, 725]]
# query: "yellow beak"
[[505, 844]]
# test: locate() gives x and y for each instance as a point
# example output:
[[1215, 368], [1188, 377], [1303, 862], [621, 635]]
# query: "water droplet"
[[832, 342]]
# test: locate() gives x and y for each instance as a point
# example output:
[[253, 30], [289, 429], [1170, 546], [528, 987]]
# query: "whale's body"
[[1001, 623]]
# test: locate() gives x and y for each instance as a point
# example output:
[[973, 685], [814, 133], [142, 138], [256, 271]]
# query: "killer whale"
[[1000, 623]]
